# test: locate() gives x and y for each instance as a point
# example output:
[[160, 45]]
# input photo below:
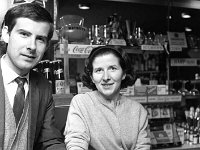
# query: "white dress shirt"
[[9, 77]]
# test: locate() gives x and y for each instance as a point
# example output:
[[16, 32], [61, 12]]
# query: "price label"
[[140, 99], [184, 62], [60, 86], [152, 47]]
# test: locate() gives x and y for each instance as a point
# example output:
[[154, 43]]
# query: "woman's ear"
[[5, 34], [124, 76], [92, 79]]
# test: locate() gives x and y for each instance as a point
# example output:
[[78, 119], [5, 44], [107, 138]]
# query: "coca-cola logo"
[[82, 50]]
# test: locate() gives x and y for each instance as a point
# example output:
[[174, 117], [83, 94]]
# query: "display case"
[[150, 63], [152, 100]]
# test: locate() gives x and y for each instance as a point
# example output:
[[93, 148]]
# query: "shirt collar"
[[109, 103], [9, 75]]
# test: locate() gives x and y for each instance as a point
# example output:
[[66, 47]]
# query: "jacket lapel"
[[2, 109], [33, 107]]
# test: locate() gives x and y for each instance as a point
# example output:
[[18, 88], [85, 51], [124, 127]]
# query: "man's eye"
[[43, 40], [24, 34]]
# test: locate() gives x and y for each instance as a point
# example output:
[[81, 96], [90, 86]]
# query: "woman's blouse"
[[98, 124]]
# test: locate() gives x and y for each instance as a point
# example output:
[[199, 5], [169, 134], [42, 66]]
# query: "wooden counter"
[[183, 147], [62, 99], [62, 103]]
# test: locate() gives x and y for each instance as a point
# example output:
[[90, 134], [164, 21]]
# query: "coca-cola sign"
[[80, 49]]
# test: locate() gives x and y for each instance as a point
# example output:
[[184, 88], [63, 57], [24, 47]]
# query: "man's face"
[[27, 43]]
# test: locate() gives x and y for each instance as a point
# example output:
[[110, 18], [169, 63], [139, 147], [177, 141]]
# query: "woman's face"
[[107, 75]]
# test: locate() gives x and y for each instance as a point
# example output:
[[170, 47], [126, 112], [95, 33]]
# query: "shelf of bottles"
[[189, 85], [54, 72]]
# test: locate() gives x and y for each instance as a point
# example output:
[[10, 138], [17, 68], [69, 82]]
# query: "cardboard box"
[[140, 90], [161, 90], [81, 88], [151, 90]]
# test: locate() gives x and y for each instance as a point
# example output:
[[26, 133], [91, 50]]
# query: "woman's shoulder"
[[134, 103], [84, 97]]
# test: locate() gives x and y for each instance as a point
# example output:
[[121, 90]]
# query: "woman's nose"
[[106, 75]]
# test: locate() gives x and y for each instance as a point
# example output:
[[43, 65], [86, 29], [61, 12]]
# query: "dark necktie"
[[19, 99]]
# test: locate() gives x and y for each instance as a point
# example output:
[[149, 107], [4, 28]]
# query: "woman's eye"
[[97, 70], [113, 68]]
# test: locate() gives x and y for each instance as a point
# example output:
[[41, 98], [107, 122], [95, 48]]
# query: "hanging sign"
[[177, 41], [185, 62], [40, 2]]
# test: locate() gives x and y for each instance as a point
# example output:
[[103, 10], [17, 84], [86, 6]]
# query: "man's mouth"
[[29, 56]]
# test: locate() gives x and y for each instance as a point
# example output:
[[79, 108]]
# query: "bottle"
[[187, 134], [139, 36], [59, 79], [95, 33], [53, 69], [106, 37], [195, 136], [47, 71], [90, 36]]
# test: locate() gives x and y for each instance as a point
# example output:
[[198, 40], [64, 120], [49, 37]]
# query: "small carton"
[[155, 112], [161, 89], [140, 90], [81, 88], [151, 90]]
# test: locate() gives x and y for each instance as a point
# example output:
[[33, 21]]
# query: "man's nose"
[[32, 44]]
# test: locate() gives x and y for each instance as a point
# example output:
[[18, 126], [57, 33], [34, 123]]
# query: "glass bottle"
[[183, 90], [172, 90], [194, 90], [95, 33], [140, 38], [59, 79], [106, 37], [47, 71], [195, 136], [53, 74]]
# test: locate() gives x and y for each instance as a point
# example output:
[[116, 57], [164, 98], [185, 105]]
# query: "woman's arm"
[[76, 131], [143, 141]]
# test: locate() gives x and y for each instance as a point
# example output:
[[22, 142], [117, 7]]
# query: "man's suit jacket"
[[41, 131]]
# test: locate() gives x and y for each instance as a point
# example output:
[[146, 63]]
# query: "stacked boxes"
[[147, 90]]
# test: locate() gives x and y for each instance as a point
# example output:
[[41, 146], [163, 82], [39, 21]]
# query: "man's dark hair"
[[31, 11]]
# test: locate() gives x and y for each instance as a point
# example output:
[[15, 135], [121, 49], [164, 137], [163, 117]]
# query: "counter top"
[[183, 147], [62, 99], [65, 99]]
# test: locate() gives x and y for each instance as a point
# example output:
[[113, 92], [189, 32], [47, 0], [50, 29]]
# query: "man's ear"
[[5, 34]]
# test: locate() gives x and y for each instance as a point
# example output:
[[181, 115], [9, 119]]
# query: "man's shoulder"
[[38, 77]]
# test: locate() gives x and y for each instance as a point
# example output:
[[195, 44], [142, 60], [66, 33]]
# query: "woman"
[[104, 119]]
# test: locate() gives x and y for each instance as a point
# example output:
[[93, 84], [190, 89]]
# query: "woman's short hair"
[[124, 61]]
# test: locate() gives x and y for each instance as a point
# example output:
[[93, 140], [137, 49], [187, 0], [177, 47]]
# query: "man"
[[27, 30]]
